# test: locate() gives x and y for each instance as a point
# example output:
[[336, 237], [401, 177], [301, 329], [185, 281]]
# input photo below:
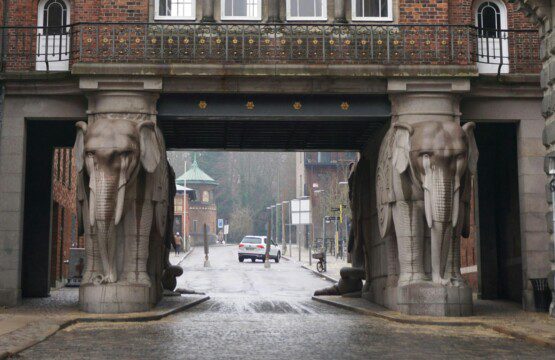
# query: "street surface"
[[267, 313]]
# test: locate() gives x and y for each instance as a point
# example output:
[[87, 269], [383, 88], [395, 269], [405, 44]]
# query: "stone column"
[[340, 11], [541, 12], [208, 10], [416, 100], [274, 11], [423, 106], [121, 112]]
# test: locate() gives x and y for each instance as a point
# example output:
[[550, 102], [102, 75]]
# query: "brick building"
[[323, 176], [272, 75], [64, 216], [202, 206]]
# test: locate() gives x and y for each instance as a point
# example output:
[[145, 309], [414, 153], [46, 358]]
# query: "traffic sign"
[[335, 209], [220, 223], [332, 218]]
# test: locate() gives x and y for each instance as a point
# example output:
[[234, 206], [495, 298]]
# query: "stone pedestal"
[[434, 300], [117, 298]]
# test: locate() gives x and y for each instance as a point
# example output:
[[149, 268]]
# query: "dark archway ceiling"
[[268, 122]]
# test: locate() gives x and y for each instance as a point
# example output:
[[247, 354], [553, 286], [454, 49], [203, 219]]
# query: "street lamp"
[[284, 247]]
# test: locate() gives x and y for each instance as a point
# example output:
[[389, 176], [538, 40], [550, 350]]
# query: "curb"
[[67, 323], [498, 328], [186, 256], [327, 277]]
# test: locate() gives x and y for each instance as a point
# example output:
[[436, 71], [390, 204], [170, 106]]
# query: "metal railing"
[[32, 48]]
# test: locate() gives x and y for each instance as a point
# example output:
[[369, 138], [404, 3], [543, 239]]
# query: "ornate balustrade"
[[31, 48]]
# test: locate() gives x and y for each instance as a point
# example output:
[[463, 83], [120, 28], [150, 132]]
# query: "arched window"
[[489, 19], [55, 17]]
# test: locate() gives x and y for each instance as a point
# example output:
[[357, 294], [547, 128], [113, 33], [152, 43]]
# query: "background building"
[[202, 209]]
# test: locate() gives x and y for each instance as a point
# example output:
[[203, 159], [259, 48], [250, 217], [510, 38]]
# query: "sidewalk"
[[177, 259], [502, 316], [333, 264], [36, 319]]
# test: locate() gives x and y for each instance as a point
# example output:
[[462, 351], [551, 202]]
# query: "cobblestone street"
[[256, 312]]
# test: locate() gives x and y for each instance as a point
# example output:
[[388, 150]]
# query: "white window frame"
[[258, 15], [157, 15], [389, 16], [302, 18]]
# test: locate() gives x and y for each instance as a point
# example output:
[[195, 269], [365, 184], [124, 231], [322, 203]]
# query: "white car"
[[254, 247]]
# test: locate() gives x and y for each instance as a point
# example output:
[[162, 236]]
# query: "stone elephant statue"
[[423, 190], [125, 196]]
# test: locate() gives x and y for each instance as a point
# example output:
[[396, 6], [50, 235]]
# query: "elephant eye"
[[89, 153]]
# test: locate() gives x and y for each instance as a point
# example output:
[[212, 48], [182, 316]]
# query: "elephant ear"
[[472, 147], [150, 146], [401, 147], [161, 178], [79, 146]]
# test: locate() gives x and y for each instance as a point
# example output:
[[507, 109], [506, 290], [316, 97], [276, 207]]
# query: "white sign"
[[226, 229], [300, 212], [220, 223]]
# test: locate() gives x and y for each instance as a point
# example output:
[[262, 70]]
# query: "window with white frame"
[[175, 9], [306, 9], [241, 10], [372, 10]]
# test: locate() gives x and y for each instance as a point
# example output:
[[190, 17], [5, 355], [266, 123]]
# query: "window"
[[175, 9], [241, 10], [489, 19], [54, 17], [306, 9], [195, 225], [372, 10], [205, 196]]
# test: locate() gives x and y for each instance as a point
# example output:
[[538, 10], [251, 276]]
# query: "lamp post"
[[268, 239], [283, 242]]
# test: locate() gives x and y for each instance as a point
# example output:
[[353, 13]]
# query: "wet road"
[[260, 313]]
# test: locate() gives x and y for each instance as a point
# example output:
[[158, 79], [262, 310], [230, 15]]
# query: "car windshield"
[[251, 240]]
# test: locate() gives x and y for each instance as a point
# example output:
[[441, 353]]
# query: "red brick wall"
[[64, 221], [24, 12], [424, 12]]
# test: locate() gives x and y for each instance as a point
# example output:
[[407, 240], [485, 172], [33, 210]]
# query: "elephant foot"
[[87, 278], [457, 281], [411, 278], [136, 278]]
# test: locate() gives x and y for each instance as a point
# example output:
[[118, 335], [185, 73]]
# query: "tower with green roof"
[[203, 210]]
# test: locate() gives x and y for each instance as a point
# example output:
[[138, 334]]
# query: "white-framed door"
[[53, 39], [493, 43]]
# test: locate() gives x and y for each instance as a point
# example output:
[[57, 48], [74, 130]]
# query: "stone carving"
[[125, 193], [350, 283], [423, 187]]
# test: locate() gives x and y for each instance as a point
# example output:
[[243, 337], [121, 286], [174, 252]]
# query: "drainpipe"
[[4, 34]]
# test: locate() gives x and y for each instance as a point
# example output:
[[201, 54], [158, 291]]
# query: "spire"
[[195, 164]]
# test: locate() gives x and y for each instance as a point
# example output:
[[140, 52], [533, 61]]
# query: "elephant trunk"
[[104, 205], [441, 207]]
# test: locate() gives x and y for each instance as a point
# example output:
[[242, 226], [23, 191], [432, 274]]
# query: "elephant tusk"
[[121, 189]]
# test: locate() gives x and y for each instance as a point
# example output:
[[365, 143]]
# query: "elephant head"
[[112, 151], [439, 156]]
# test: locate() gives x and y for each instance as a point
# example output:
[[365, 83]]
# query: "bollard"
[[206, 261]]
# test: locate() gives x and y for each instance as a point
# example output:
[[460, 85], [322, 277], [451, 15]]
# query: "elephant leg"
[[453, 268], [91, 260], [408, 218], [392, 260], [138, 223]]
